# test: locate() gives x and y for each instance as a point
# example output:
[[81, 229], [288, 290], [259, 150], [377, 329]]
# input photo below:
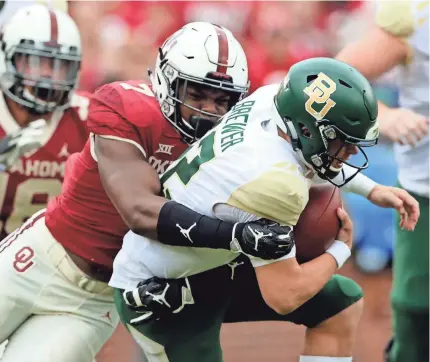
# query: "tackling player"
[[256, 164], [60, 259]]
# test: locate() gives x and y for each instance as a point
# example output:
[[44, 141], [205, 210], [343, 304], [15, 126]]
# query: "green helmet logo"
[[323, 100]]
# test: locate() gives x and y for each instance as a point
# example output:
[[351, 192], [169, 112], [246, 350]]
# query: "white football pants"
[[50, 311]]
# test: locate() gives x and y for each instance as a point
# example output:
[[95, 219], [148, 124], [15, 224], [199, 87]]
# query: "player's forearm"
[[385, 118], [286, 287], [311, 278], [142, 217], [178, 225], [360, 184], [172, 223], [372, 64]]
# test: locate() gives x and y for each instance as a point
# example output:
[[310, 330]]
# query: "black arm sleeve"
[[180, 226]]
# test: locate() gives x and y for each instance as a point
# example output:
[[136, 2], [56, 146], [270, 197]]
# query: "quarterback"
[[256, 164], [55, 267], [402, 30]]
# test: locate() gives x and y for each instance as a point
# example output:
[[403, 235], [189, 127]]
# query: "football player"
[[60, 259], [41, 122], [401, 29], [41, 114], [257, 164], [113, 185]]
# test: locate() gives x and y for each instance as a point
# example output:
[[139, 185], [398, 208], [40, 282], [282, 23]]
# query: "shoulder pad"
[[396, 17], [132, 100]]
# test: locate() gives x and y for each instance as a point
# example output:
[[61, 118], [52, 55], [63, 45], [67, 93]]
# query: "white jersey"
[[409, 20], [9, 7], [242, 165]]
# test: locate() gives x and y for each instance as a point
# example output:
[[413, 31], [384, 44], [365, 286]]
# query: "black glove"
[[156, 298], [263, 239]]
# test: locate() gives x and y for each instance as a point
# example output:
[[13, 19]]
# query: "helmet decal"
[[171, 42], [319, 91], [222, 50], [53, 42]]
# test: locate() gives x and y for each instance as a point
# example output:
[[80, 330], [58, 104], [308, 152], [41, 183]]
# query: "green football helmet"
[[323, 100]]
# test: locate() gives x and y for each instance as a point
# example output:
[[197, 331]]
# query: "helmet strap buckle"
[[330, 133], [317, 161]]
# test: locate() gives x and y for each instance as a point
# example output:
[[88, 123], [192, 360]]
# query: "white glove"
[[17, 144]]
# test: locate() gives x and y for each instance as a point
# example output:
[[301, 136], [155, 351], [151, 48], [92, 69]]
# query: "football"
[[318, 224]]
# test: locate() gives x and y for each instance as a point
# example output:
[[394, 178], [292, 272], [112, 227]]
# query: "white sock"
[[324, 359]]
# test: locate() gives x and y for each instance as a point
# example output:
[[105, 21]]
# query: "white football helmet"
[[201, 53], [40, 57]]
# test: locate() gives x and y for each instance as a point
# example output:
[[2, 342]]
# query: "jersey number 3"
[[187, 166]]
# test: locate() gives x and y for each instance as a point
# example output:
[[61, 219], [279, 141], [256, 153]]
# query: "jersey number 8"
[[24, 204]]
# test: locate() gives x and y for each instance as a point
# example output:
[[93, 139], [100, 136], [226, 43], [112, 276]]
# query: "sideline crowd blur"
[[121, 38]]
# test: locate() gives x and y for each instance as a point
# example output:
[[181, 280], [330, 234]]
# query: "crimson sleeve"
[[108, 115]]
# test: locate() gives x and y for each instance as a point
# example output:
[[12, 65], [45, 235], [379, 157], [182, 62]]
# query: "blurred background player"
[[41, 122], [38, 75], [400, 37]]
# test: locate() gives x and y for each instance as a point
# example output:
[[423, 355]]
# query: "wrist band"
[[340, 252], [361, 185]]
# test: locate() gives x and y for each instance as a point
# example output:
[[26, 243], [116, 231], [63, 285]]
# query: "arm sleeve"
[[360, 184]]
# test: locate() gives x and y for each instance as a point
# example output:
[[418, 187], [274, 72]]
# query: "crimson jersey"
[[82, 218], [28, 185]]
